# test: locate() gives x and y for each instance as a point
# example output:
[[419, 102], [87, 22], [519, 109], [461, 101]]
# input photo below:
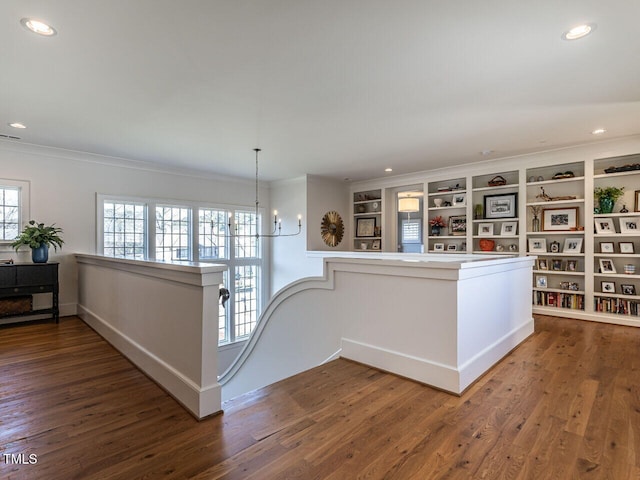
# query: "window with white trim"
[[14, 208], [155, 230], [124, 229]]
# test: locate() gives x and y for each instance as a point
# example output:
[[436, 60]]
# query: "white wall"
[[324, 195], [63, 191]]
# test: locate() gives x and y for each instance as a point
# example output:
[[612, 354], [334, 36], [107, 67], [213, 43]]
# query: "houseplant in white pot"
[[39, 238]]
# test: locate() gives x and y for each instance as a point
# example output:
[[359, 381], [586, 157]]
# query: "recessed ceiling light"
[[388, 169], [17, 125], [36, 26], [598, 131], [486, 152], [579, 31]]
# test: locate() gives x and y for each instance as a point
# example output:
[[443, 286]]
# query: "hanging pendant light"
[[277, 223], [408, 204]]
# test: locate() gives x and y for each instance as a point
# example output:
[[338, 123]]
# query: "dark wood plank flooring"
[[563, 405]]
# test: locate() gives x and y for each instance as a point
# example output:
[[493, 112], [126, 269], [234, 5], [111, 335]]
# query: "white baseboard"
[[444, 377], [200, 401], [422, 370]]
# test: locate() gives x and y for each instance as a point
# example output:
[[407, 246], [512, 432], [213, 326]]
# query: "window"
[[411, 231], [173, 233], [14, 208], [140, 229], [124, 229]]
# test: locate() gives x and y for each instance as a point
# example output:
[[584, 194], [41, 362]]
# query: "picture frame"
[[541, 281], [557, 264], [636, 195], [604, 225], [627, 289], [542, 264], [366, 227], [630, 225], [458, 225], [509, 229], [554, 247], [485, 229], [375, 245], [504, 205], [537, 245], [572, 265], [572, 245], [559, 219], [438, 247], [606, 247], [459, 200], [608, 287], [452, 247], [626, 247], [607, 266]]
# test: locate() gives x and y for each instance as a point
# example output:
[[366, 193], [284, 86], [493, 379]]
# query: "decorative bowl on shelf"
[[487, 245]]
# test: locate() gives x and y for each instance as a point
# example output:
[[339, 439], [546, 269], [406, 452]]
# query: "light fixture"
[[17, 125], [408, 204], [277, 223], [388, 169], [36, 26], [579, 31], [598, 131]]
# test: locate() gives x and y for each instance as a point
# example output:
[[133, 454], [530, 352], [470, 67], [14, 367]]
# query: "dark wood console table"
[[20, 279]]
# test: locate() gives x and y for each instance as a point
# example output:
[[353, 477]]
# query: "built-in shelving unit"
[[447, 199], [568, 279], [616, 253], [555, 204], [367, 220]]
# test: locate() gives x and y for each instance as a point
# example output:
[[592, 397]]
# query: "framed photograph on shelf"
[[452, 247], [627, 289], [604, 225], [637, 202], [572, 245], [458, 225], [509, 229], [438, 247], [554, 247], [485, 229], [626, 247], [608, 287], [459, 199], [537, 245], [572, 265], [375, 245], [365, 227], [542, 264], [541, 281], [630, 225], [556, 264], [504, 205], [559, 219], [606, 247], [607, 266]]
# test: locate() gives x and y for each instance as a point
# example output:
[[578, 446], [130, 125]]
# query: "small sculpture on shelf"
[[543, 195]]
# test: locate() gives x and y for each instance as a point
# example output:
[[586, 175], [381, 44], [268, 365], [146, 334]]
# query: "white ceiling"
[[330, 87]]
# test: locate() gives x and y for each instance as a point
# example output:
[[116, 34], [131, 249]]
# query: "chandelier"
[[277, 223]]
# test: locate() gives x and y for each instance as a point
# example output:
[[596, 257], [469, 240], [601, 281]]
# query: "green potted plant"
[[607, 196], [39, 238]]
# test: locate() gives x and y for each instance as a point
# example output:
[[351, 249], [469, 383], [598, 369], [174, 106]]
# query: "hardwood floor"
[[563, 405]]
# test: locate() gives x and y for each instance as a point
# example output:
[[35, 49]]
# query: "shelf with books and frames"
[[447, 216], [555, 233], [495, 213], [616, 245], [367, 220]]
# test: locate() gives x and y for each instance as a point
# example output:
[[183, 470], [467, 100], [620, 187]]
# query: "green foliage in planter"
[[614, 193], [36, 234]]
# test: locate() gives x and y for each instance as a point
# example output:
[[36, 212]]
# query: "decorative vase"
[[435, 230], [535, 224], [40, 254], [487, 245], [606, 204], [437, 202]]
